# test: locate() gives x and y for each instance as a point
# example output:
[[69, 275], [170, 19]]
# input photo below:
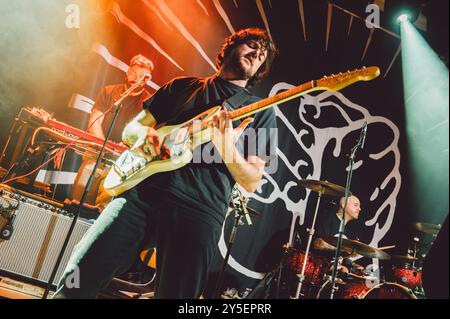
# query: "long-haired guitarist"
[[181, 212]]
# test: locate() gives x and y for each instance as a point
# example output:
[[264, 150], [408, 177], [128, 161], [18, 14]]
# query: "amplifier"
[[39, 228]]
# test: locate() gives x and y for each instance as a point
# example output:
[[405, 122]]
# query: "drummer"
[[330, 223]]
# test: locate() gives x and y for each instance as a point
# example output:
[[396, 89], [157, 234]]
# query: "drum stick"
[[386, 247]]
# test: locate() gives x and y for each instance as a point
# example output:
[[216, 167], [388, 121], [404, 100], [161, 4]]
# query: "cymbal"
[[427, 228], [324, 187], [404, 258], [359, 248]]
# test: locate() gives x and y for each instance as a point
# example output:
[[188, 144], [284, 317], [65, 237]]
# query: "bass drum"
[[360, 290]]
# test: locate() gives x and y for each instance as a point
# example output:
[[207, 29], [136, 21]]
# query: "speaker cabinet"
[[39, 229]]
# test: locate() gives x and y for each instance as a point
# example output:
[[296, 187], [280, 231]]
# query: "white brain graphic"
[[383, 189]]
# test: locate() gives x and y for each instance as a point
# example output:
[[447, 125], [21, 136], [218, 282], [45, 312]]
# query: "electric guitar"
[[179, 141]]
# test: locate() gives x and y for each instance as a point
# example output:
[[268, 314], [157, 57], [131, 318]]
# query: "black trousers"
[[185, 247]]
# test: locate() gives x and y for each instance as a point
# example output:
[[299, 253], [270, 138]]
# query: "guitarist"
[[181, 212]]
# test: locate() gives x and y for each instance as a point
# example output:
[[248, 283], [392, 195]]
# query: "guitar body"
[[179, 142]]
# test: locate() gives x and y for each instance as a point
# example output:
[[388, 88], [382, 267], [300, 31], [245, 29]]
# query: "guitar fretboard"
[[263, 104], [333, 82], [271, 101]]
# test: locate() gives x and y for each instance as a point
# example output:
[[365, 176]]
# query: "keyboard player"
[[139, 66]]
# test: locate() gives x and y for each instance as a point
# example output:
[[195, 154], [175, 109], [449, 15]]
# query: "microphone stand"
[[117, 105], [239, 210], [359, 144]]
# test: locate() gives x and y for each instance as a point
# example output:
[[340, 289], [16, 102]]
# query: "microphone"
[[362, 137], [128, 92], [239, 204]]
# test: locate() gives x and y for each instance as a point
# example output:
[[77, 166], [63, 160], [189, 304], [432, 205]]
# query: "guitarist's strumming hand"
[[148, 145], [225, 137]]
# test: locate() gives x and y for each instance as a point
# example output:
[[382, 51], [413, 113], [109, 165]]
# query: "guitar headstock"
[[339, 81]]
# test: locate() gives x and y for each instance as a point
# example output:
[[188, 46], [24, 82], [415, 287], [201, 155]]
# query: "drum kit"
[[307, 274]]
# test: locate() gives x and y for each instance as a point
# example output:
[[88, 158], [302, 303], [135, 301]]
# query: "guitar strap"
[[236, 100]]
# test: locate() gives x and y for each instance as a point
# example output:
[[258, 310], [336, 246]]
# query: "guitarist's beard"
[[238, 67]]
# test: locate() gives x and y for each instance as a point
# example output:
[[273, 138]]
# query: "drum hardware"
[[432, 229], [366, 277], [415, 249], [404, 270], [287, 250], [322, 188], [405, 258], [282, 282]]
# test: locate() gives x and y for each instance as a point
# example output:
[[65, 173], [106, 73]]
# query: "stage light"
[[397, 12], [403, 18], [426, 98]]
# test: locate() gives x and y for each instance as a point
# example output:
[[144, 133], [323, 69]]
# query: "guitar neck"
[[333, 82], [271, 101], [265, 104]]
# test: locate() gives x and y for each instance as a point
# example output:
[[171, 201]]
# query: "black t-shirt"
[[329, 226], [203, 186], [132, 105]]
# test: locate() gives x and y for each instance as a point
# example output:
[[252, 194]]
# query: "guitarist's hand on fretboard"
[[223, 135]]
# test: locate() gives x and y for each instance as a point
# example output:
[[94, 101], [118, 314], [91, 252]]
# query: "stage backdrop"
[[50, 60]]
